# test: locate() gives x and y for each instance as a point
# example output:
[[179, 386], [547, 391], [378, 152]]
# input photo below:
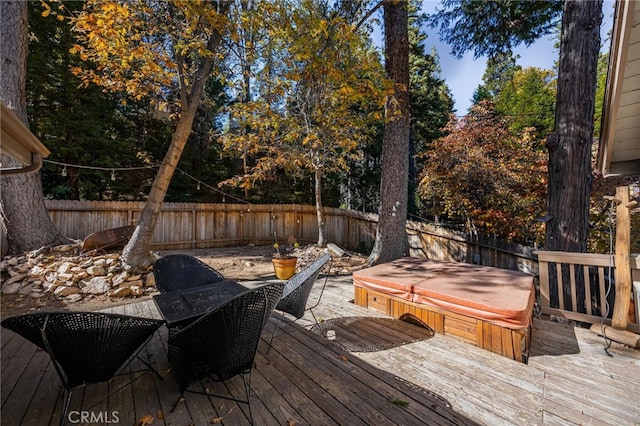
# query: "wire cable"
[[151, 166], [212, 188], [107, 169], [609, 278]]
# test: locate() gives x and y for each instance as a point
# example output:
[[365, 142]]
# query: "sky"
[[464, 75]]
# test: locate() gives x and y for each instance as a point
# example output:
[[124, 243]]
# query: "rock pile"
[[69, 275], [343, 263]]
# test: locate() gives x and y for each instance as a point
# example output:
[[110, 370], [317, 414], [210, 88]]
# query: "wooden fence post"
[[622, 258]]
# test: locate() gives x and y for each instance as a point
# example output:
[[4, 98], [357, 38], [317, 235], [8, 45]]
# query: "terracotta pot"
[[284, 267]]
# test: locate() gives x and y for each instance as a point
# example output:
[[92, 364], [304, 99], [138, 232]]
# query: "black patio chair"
[[181, 271], [86, 347], [297, 291], [223, 343]]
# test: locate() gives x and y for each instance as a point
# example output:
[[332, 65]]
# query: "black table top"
[[183, 306]]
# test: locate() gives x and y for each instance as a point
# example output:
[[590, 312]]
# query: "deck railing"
[[560, 293]]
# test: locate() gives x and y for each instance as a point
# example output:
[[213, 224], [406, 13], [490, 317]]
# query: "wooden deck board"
[[466, 380], [388, 386], [377, 394], [335, 383], [288, 402], [308, 379], [313, 398], [26, 377]]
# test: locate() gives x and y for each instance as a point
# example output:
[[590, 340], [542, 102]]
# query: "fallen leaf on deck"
[[144, 421], [344, 358], [400, 403], [216, 420]]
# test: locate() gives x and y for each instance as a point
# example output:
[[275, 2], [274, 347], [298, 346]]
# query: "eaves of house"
[[18, 142], [619, 148]]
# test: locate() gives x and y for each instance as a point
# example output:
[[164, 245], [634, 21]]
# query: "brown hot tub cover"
[[500, 296]]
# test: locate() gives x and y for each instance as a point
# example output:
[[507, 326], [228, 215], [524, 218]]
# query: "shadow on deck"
[[356, 367], [304, 379]]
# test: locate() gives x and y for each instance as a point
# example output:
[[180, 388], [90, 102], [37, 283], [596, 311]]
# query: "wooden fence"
[[195, 225], [199, 225], [435, 242]]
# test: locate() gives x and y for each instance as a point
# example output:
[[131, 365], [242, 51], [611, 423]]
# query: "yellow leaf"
[[144, 421], [46, 13]]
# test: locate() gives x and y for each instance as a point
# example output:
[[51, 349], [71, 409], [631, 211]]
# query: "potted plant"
[[284, 263]]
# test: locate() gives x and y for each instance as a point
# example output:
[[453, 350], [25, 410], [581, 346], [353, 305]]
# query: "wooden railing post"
[[622, 258]]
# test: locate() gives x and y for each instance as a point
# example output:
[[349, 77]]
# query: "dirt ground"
[[244, 263]]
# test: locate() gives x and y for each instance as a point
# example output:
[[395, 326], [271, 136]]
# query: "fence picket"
[[194, 225]]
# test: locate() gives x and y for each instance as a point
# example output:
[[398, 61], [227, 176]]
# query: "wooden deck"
[[357, 367]]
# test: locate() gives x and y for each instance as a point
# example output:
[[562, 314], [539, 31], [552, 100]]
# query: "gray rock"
[[96, 270], [119, 279], [64, 290], [96, 285], [121, 292], [151, 280], [65, 267], [15, 279], [73, 298], [12, 288], [26, 290]]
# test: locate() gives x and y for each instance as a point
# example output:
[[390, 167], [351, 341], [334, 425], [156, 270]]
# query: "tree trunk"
[[321, 241], [25, 220], [136, 255], [391, 240], [570, 144]]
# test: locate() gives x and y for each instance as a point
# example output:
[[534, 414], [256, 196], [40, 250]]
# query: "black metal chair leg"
[[65, 406], [275, 330], [247, 386], [181, 397]]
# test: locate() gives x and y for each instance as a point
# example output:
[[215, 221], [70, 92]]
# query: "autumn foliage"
[[484, 175], [311, 116], [142, 48], [161, 51]]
